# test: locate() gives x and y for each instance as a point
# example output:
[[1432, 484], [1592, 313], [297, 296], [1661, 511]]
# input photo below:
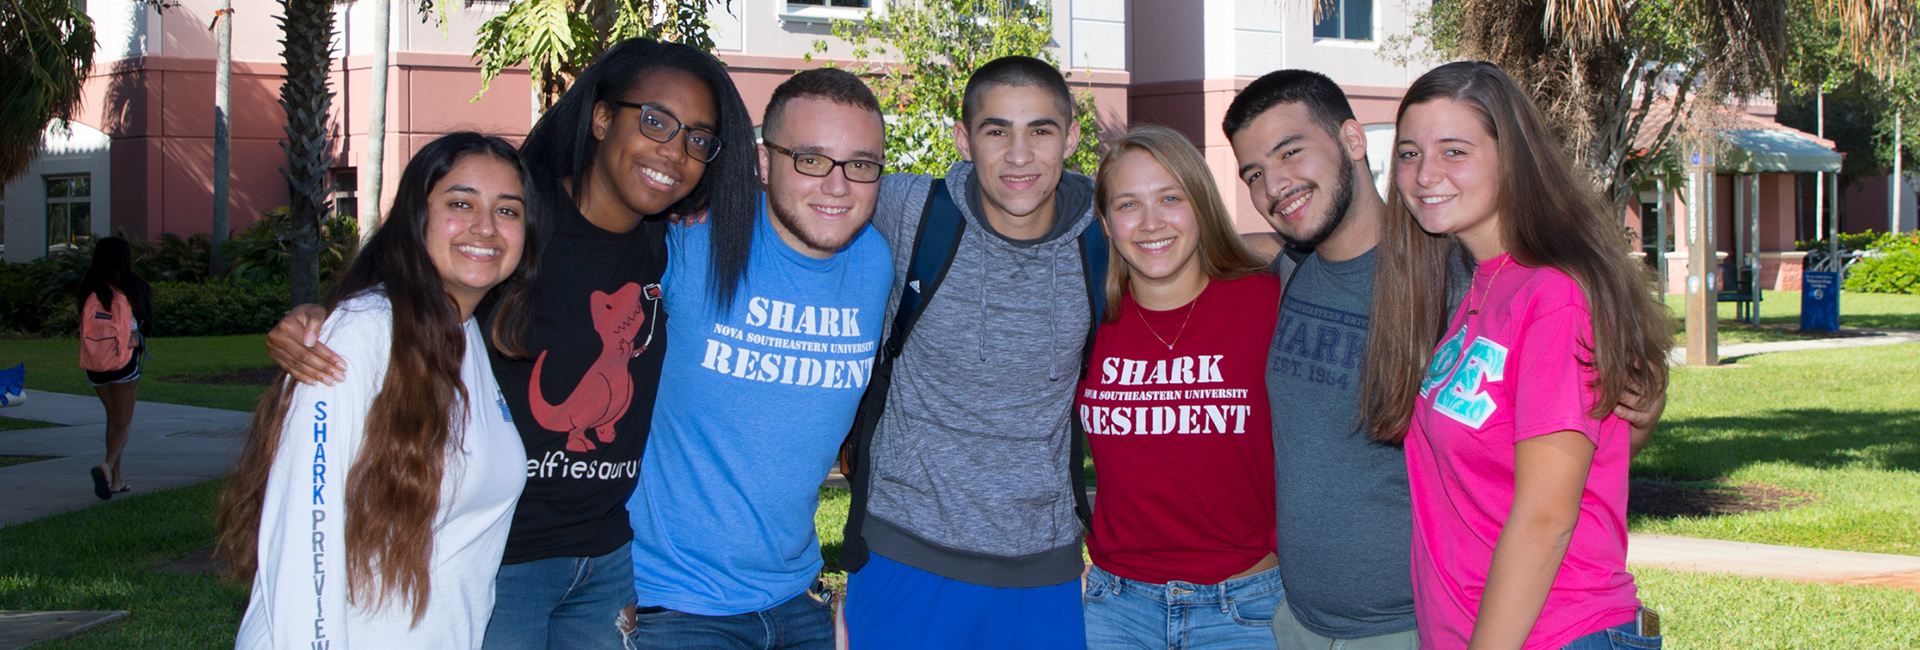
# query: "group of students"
[[1400, 432]]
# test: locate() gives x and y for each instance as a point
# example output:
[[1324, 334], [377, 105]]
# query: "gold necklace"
[[1142, 311], [1474, 310]]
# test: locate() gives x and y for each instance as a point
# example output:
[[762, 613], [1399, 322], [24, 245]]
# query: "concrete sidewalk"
[[170, 446], [1868, 338], [1768, 561]]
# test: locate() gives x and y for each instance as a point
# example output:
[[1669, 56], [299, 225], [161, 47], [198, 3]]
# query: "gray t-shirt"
[[1344, 514]]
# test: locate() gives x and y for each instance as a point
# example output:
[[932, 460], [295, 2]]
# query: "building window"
[[69, 210], [346, 192], [1350, 20], [825, 11]]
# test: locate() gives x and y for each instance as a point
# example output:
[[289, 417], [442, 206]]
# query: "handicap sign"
[[1820, 301]]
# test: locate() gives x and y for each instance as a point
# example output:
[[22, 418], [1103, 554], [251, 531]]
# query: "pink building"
[[139, 156]]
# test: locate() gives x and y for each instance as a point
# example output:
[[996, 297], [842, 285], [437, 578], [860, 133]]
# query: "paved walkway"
[[170, 446], [1868, 337], [1768, 561]]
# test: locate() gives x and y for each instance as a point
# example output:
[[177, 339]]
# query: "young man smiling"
[[1344, 513], [755, 398], [964, 531]]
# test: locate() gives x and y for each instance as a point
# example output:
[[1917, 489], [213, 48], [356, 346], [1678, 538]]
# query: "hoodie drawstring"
[[1053, 303], [985, 248]]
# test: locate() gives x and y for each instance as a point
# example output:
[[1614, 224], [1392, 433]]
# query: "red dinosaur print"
[[606, 390]]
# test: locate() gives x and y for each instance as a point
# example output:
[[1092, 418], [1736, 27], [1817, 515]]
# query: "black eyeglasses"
[[660, 126], [813, 164]]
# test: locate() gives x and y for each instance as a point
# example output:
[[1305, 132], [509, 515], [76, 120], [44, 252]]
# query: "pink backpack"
[[107, 337]]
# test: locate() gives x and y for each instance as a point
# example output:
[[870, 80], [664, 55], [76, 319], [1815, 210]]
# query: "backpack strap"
[[1093, 264], [934, 246]]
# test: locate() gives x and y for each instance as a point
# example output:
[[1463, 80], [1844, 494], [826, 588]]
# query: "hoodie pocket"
[[994, 494]]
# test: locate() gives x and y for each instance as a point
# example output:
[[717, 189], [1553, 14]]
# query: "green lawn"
[[102, 558], [1721, 612], [1842, 424], [53, 365], [16, 424], [1782, 308]]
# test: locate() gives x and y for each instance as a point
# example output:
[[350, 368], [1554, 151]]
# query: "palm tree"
[[1606, 71], [306, 97], [556, 39], [46, 49]]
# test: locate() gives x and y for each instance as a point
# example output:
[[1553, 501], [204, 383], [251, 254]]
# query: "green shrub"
[[218, 307], [264, 251], [29, 291], [1893, 267], [211, 308], [1848, 241]]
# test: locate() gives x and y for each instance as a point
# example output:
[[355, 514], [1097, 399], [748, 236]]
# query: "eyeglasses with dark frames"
[[813, 164], [660, 126]]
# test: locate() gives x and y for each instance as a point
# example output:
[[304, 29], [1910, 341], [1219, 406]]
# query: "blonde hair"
[[1222, 255]]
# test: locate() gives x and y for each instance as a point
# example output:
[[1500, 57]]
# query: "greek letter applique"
[[1463, 398]]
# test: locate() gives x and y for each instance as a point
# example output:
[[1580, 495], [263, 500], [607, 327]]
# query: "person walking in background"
[[1516, 464], [116, 310], [1175, 410], [372, 513]]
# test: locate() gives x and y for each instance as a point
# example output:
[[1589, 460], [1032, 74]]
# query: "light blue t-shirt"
[[751, 411]]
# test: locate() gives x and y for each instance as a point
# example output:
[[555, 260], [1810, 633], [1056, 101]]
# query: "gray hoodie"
[[970, 458]]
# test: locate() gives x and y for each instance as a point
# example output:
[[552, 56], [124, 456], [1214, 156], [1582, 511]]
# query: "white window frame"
[[1373, 27], [51, 200], [799, 13]]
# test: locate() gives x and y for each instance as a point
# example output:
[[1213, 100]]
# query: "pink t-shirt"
[[1509, 373]]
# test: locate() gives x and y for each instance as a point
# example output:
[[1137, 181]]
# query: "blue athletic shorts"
[[892, 605]]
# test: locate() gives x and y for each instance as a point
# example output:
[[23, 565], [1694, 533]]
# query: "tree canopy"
[[46, 50], [930, 50]]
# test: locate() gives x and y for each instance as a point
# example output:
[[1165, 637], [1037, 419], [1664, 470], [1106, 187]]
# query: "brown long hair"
[[393, 490], [1222, 255], [1549, 217]]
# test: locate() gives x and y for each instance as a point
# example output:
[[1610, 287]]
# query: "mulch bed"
[[1667, 497], [248, 377]]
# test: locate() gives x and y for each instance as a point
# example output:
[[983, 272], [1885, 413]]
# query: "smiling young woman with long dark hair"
[[1516, 463], [650, 129], [373, 512]]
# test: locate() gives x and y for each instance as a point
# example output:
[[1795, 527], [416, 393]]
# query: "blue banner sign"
[[1820, 301]]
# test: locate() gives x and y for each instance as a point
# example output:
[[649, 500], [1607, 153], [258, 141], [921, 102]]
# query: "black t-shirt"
[[597, 341]]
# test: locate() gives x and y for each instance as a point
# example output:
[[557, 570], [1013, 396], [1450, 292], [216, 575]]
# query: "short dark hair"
[[1324, 100], [1015, 71], [831, 84]]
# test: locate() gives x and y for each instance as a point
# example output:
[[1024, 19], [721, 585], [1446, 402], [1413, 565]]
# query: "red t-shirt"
[[1181, 441]]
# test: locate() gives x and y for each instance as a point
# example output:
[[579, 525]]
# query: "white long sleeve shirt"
[[300, 591]]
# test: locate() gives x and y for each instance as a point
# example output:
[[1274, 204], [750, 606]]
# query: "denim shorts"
[[1123, 613]]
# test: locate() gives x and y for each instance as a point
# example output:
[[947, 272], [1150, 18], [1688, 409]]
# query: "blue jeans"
[[1625, 636], [562, 603], [1124, 613], [804, 622]]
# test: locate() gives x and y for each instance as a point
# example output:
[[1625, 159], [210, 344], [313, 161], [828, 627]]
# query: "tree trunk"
[[376, 123], [306, 97], [222, 131]]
